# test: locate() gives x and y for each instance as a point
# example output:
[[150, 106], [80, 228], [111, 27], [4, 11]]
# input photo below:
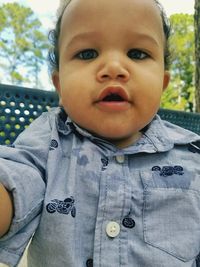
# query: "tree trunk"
[[197, 53]]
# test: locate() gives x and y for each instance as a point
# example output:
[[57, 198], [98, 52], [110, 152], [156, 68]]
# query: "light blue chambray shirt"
[[91, 204]]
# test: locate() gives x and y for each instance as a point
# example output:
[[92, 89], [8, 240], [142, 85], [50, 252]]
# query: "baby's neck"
[[126, 142]]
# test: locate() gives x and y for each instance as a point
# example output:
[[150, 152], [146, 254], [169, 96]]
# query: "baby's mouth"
[[113, 94], [113, 97]]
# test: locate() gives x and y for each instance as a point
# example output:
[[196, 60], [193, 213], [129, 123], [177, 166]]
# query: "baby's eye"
[[137, 54], [87, 54]]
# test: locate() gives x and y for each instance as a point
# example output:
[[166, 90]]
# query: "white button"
[[120, 158], [112, 229]]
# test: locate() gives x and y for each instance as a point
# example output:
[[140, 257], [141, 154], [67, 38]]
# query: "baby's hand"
[[6, 210]]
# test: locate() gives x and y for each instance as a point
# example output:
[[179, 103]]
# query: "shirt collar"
[[160, 136]]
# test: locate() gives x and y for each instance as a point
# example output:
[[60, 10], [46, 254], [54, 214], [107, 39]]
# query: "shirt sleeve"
[[23, 173]]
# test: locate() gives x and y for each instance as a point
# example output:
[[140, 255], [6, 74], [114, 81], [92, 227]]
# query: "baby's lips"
[[115, 90]]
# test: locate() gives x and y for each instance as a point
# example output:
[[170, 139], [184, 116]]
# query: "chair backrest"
[[20, 106], [187, 120]]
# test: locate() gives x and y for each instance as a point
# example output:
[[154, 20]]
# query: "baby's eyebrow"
[[82, 36], [143, 37]]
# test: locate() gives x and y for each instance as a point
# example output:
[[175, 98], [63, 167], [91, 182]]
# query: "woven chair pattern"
[[19, 107]]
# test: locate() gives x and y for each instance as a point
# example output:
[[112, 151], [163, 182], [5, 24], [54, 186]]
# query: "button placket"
[[111, 205]]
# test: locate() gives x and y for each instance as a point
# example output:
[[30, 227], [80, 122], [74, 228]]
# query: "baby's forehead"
[[91, 7]]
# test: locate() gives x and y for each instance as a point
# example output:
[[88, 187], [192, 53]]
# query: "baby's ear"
[[56, 80], [56, 83], [166, 79]]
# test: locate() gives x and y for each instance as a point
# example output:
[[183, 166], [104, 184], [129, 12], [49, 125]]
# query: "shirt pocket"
[[171, 214]]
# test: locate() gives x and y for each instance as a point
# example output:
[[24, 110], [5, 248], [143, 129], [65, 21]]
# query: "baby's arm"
[[23, 173], [6, 210]]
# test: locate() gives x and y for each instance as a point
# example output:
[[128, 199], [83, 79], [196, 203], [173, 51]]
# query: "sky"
[[47, 15]]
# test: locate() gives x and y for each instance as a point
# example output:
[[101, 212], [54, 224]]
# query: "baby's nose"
[[113, 70]]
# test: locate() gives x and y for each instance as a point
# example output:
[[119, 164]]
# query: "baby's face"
[[111, 73]]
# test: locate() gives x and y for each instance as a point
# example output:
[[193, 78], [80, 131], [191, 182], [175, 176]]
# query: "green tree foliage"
[[181, 91], [22, 44]]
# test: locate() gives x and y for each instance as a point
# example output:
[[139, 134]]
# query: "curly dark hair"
[[53, 55]]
